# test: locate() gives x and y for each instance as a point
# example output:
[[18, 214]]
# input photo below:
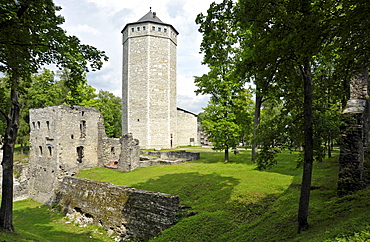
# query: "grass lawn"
[[232, 202]]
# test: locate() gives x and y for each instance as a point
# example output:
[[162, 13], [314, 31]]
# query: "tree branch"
[[5, 115]]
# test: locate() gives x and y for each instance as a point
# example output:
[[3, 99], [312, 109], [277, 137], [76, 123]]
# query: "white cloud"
[[99, 23], [82, 29]]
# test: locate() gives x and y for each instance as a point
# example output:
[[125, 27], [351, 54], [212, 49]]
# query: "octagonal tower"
[[149, 81]]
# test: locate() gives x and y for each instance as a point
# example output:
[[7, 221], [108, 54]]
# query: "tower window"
[[165, 30], [38, 124], [144, 28], [40, 150], [153, 28], [138, 28], [133, 29], [50, 152], [159, 29]]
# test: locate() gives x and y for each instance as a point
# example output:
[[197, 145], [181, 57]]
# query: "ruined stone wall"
[[125, 211], [63, 140], [111, 150], [130, 155], [355, 135], [187, 128]]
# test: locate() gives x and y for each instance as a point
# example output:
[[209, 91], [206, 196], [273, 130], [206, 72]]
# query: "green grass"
[[233, 202], [36, 222]]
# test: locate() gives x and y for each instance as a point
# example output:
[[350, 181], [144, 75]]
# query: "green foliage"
[[110, 107]]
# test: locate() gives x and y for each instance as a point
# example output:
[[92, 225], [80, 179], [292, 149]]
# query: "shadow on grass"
[[41, 224], [243, 157], [200, 191]]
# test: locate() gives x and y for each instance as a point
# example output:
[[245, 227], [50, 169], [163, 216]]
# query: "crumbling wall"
[[124, 211], [355, 135], [130, 153], [63, 140]]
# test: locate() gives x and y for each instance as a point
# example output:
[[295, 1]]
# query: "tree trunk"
[[227, 154], [257, 114], [329, 145], [6, 210], [308, 148]]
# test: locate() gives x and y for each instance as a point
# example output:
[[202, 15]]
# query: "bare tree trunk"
[[257, 115], [308, 148], [227, 154], [329, 145], [6, 210]]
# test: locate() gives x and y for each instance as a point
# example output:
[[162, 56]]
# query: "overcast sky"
[[99, 23]]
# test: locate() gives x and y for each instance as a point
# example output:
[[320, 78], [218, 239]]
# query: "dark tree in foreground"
[[30, 37]]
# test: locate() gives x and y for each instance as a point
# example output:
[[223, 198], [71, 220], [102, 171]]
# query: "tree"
[[110, 107], [221, 82], [30, 36]]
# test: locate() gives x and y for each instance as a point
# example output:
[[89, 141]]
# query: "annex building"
[[149, 94]]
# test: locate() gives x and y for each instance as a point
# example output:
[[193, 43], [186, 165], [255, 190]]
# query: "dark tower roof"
[[150, 17]]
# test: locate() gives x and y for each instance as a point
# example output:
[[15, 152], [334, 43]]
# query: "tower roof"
[[150, 17]]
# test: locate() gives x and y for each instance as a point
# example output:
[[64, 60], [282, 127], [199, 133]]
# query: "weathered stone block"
[[127, 212]]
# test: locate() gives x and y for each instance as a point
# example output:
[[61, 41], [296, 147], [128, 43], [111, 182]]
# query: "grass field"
[[232, 202]]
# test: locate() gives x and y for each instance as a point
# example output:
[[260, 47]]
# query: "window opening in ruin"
[[48, 127], [159, 29], [112, 151], [83, 129], [80, 153], [138, 120], [72, 136], [50, 152], [153, 28], [34, 125], [83, 112], [40, 150], [38, 124]]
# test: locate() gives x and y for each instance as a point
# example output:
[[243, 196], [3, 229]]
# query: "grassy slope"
[[233, 201]]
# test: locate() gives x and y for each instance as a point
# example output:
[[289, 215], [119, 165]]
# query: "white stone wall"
[[149, 83], [187, 129], [55, 135]]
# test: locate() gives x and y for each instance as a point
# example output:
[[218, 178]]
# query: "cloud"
[[99, 23], [82, 29]]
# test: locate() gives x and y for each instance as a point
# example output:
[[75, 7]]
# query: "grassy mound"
[[224, 202]]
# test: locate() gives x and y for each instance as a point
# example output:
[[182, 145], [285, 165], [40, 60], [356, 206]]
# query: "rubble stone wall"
[[124, 211]]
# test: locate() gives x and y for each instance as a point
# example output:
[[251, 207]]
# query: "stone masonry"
[[149, 95], [355, 135], [63, 140], [124, 211]]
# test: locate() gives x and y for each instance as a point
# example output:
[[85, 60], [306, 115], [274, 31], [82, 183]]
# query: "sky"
[[99, 23]]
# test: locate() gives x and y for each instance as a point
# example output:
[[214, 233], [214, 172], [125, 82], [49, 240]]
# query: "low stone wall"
[[182, 154], [178, 154], [127, 212]]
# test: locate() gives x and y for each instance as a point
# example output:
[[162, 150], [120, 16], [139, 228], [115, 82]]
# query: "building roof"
[[150, 17]]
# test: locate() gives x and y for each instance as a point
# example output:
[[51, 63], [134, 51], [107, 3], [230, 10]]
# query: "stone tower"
[[149, 82]]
